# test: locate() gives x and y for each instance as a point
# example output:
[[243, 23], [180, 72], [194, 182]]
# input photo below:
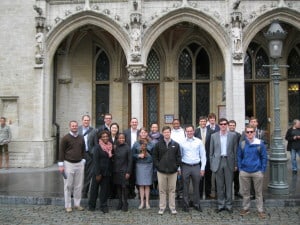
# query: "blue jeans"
[[294, 159]]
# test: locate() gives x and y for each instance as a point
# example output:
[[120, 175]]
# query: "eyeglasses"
[[108, 118], [249, 131], [223, 124]]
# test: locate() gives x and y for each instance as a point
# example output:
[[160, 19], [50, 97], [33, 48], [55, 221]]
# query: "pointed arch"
[[206, 22], [286, 15], [64, 28]]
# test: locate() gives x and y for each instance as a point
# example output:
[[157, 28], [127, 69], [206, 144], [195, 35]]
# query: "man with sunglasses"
[[223, 163], [252, 164]]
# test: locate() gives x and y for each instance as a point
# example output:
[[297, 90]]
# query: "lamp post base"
[[278, 176]]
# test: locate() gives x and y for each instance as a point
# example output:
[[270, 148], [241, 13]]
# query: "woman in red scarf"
[[102, 160]]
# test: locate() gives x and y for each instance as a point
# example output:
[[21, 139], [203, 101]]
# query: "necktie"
[[203, 135]]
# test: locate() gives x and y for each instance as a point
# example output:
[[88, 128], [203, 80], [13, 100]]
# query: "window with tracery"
[[294, 83], [193, 83], [257, 78], [102, 78]]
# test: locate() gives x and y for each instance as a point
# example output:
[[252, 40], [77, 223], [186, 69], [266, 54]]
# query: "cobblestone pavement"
[[55, 215]]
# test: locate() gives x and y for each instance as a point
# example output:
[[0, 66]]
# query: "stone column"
[[136, 77], [235, 82]]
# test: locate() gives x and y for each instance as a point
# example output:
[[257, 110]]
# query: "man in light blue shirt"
[[193, 165]]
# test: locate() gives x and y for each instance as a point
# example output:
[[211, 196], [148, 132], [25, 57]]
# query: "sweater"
[[71, 148]]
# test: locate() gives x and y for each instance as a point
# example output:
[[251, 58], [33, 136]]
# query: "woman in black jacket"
[[102, 160], [122, 166]]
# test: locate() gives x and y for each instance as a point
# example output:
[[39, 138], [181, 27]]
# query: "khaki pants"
[[73, 183], [5, 148], [167, 187], [245, 185]]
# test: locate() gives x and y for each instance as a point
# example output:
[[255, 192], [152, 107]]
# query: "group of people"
[[175, 161]]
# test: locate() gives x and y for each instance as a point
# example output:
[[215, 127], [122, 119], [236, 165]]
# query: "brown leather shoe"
[[262, 215]]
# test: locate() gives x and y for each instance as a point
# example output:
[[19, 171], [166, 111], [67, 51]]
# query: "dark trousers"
[[104, 192], [205, 182], [192, 172], [131, 186], [87, 174], [236, 182], [123, 196]]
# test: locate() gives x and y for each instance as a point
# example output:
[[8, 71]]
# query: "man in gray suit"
[[223, 162], [86, 130]]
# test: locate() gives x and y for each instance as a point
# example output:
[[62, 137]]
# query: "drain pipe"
[[57, 133]]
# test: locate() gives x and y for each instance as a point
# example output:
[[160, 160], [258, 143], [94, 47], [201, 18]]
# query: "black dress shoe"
[[119, 207], [198, 208], [219, 210], [91, 209], [185, 209], [237, 194], [125, 208], [104, 210], [229, 210]]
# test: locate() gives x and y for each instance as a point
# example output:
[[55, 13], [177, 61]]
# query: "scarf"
[[155, 137], [106, 147]]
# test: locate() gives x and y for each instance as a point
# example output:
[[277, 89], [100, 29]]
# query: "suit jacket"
[[207, 139], [128, 136], [88, 133], [217, 128], [215, 151]]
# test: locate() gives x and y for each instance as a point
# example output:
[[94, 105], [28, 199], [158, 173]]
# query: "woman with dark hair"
[[114, 131], [142, 150], [102, 160], [122, 166]]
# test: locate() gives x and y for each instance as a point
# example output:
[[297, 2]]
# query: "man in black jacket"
[[293, 138], [167, 158]]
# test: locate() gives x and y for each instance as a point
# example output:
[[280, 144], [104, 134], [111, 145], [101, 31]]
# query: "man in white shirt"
[[192, 153]]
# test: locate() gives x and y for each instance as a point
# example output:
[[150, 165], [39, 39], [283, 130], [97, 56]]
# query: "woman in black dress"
[[122, 165]]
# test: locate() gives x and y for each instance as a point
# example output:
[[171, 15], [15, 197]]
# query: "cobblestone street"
[[55, 215]]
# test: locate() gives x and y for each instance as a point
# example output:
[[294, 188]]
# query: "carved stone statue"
[[135, 36], [39, 37], [237, 39]]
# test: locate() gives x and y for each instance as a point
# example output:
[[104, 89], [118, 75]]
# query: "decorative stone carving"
[[136, 73], [65, 80], [39, 23], [39, 38], [39, 10], [57, 19], [136, 18], [68, 12], [236, 4], [135, 4]]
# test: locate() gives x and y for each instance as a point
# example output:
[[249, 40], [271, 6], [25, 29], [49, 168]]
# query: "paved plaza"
[[50, 214], [35, 196]]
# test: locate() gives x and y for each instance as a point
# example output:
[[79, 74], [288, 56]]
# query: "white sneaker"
[[173, 211], [161, 211]]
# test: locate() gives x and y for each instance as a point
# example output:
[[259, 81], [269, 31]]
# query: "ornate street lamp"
[[278, 159]]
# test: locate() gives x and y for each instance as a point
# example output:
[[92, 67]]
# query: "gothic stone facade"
[[50, 51]]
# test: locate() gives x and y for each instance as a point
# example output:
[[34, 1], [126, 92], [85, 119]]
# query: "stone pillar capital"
[[136, 73]]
